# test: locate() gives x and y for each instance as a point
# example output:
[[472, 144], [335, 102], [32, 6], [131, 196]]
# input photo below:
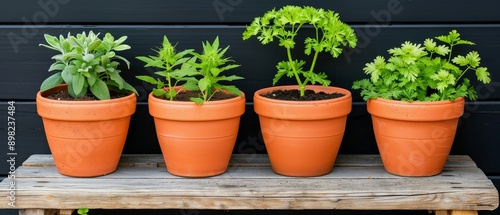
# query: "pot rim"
[[190, 111], [417, 110], [303, 110], [459, 99], [257, 94], [41, 96], [85, 110], [237, 98]]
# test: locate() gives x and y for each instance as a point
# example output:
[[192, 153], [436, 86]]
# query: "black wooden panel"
[[240, 11], [477, 134], [26, 63]]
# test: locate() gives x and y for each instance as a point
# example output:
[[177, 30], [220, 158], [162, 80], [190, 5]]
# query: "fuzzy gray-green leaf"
[[100, 90], [51, 82]]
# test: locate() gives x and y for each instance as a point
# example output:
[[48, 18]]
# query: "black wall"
[[380, 24]]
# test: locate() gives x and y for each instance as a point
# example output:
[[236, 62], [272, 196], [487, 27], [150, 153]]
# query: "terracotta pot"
[[196, 141], [302, 138], [414, 138], [86, 138]]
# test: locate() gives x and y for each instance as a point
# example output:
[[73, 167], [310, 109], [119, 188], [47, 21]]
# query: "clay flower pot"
[[302, 138], [414, 138], [86, 138], [196, 141]]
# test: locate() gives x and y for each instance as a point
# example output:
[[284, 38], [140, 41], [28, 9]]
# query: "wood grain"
[[358, 182]]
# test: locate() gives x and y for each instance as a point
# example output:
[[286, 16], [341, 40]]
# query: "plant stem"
[[313, 64], [295, 73], [170, 86], [316, 53], [463, 73], [451, 50]]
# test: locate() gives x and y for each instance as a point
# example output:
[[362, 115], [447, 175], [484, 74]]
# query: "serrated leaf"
[[51, 82], [465, 42], [100, 90], [473, 59], [287, 43], [442, 50], [460, 60], [429, 44], [443, 39], [483, 75]]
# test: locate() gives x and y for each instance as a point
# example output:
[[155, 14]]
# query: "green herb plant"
[[173, 67], [284, 24], [87, 63], [196, 71], [423, 72], [83, 211]]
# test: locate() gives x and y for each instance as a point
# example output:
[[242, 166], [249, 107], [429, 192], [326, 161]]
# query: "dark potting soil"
[[187, 95], [294, 95], [65, 96]]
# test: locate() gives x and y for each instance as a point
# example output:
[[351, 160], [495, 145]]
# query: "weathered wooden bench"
[[358, 182]]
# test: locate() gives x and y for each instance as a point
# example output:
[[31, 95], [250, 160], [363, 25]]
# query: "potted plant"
[[86, 105], [196, 116], [302, 137], [416, 98]]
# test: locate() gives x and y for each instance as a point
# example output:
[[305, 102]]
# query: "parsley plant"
[[423, 72], [284, 24]]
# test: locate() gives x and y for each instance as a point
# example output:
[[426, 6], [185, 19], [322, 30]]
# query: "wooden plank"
[[214, 193], [249, 172], [361, 187], [238, 11], [456, 212], [243, 160], [32, 212]]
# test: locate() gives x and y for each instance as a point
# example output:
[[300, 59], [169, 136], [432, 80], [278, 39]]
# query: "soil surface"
[[294, 95], [65, 96], [186, 95]]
